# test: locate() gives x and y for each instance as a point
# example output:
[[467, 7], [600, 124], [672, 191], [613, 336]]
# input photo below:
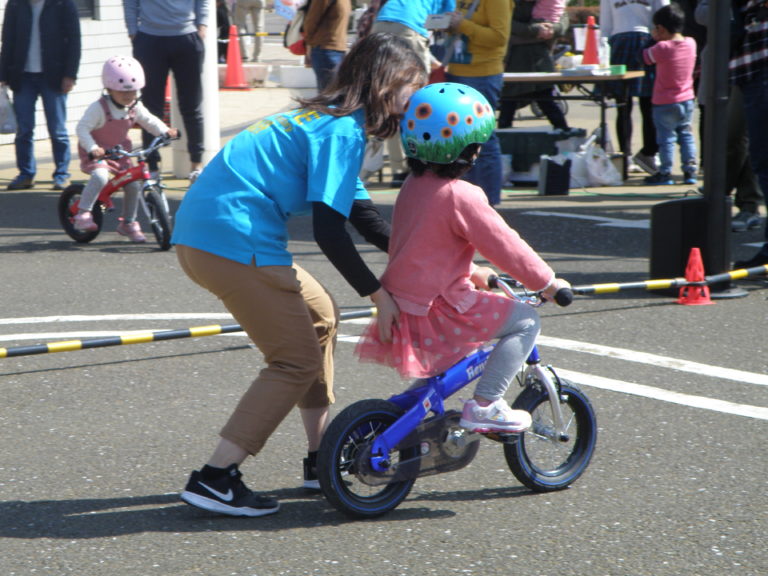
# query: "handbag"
[[293, 38], [7, 114]]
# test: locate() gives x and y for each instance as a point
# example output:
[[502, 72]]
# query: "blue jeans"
[[55, 105], [324, 63], [756, 113], [673, 125], [487, 170]]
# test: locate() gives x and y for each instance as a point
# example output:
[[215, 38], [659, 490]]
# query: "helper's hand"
[[387, 313], [480, 277]]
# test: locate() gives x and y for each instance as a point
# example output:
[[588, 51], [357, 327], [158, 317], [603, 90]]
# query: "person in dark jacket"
[[39, 58]]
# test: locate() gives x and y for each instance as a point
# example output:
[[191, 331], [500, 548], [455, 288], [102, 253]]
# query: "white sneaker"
[[496, 417]]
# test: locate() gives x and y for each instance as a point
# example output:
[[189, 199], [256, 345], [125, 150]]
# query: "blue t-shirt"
[[413, 13], [239, 206]]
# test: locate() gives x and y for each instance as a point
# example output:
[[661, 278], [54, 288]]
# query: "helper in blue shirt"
[[231, 238]]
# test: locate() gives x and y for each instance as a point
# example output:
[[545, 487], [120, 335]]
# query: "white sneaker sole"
[[484, 428], [215, 506]]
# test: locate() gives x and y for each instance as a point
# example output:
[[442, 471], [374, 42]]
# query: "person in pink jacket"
[[439, 221]]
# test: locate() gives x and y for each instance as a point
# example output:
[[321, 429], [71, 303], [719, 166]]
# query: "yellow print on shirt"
[[285, 119]]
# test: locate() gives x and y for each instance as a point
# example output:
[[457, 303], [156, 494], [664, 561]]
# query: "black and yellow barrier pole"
[[144, 337], [666, 284], [216, 329]]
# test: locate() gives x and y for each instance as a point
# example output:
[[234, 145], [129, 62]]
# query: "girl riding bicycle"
[[105, 124], [439, 222]]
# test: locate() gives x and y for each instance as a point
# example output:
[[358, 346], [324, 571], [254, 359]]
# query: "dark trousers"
[[182, 55], [624, 119]]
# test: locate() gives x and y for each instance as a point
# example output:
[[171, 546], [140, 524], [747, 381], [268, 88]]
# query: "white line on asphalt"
[[561, 343], [664, 395], [655, 360], [109, 317], [603, 221]]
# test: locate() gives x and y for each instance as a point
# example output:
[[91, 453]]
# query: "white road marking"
[[702, 402], [603, 221], [561, 343]]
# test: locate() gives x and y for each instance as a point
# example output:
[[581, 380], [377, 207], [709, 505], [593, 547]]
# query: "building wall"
[[103, 35]]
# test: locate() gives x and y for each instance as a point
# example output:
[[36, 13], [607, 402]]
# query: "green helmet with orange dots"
[[442, 119]]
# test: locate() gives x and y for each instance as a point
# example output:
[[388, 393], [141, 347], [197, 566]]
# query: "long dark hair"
[[371, 76]]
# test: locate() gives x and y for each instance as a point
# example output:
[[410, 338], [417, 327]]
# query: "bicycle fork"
[[536, 373]]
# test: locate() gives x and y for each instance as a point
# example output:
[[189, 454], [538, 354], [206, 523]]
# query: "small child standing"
[[673, 95], [439, 221], [105, 124]]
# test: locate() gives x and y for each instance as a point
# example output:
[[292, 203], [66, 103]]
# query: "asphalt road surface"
[[97, 444]]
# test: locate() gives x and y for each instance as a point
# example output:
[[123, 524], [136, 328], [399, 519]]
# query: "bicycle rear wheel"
[[343, 469], [539, 458], [68, 206], [159, 216]]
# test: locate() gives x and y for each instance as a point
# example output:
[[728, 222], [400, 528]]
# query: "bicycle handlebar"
[[563, 297], [118, 152]]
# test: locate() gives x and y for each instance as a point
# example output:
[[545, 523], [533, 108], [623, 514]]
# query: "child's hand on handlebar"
[[480, 276], [97, 153], [554, 287], [387, 313], [172, 133]]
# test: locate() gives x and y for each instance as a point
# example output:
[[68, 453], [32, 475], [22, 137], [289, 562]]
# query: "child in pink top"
[[548, 10], [446, 310], [673, 95], [105, 124]]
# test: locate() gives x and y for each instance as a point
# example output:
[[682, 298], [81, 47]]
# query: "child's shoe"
[[496, 417], [83, 222], [132, 230]]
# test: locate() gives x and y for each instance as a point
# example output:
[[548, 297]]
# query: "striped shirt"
[[751, 55]]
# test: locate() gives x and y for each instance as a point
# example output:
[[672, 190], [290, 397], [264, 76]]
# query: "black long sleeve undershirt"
[[331, 235]]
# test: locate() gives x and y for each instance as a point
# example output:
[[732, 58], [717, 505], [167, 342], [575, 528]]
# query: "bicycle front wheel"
[[539, 458], [69, 202], [345, 477], [159, 216]]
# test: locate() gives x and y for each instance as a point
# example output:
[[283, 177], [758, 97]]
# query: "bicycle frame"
[[430, 397], [121, 179]]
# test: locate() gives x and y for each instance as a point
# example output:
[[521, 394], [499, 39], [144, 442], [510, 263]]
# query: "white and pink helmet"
[[122, 74]]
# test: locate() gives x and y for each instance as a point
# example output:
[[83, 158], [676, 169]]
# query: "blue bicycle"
[[374, 450]]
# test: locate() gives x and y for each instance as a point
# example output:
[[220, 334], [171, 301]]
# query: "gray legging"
[[98, 180], [517, 337]]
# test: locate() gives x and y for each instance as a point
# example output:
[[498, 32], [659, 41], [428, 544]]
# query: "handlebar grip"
[[493, 281], [564, 297]]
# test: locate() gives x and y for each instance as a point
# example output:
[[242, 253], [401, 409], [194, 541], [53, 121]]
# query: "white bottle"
[[604, 53]]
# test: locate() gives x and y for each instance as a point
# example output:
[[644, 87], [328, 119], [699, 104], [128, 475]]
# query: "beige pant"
[[292, 320]]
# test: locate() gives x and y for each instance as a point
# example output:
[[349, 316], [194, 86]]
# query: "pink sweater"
[[674, 61], [436, 227]]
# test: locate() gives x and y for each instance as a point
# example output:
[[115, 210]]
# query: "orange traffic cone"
[[235, 78], [590, 44], [694, 272]]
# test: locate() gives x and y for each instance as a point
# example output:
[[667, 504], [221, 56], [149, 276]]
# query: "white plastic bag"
[[591, 166], [7, 115]]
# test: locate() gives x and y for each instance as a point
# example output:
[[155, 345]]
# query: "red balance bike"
[[152, 199]]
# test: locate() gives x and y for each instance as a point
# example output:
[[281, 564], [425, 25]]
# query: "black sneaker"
[[310, 475], [227, 494], [759, 259]]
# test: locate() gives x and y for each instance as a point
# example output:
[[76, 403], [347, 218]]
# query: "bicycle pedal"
[[503, 437]]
